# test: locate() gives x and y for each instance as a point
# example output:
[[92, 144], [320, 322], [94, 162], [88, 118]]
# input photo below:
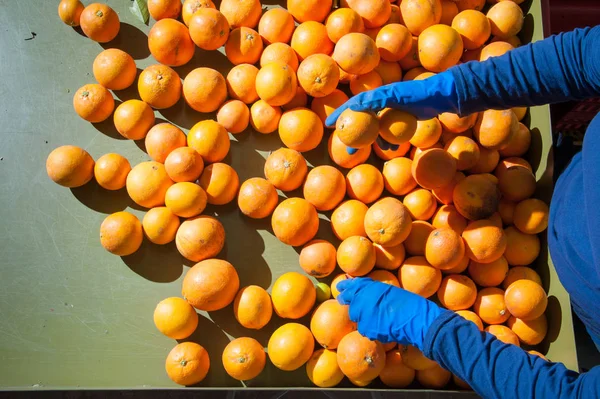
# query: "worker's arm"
[[493, 369], [559, 68]]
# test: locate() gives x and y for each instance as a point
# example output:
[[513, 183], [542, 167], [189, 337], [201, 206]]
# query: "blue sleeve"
[[559, 68], [498, 370]]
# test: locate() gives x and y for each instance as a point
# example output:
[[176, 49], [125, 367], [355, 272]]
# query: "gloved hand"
[[424, 99], [384, 145], [387, 313]]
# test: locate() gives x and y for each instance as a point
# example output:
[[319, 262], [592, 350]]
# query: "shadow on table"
[[158, 263], [101, 200], [131, 40]]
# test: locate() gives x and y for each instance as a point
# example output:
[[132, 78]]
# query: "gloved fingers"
[[344, 298], [345, 284], [332, 119], [386, 145], [351, 151]]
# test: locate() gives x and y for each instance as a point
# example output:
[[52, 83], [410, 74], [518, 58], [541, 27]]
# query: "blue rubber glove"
[[384, 145], [424, 99], [387, 313]]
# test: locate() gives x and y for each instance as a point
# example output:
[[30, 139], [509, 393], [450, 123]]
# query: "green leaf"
[[139, 8]]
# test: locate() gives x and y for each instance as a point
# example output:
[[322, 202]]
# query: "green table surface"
[[71, 314]]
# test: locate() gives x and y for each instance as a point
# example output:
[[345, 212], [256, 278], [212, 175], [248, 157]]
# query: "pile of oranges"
[[449, 215]]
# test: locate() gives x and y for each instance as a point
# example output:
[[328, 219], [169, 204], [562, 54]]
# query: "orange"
[[489, 274], [526, 299], [396, 374], [300, 129], [448, 217], [520, 112], [360, 358], [356, 53], [397, 176], [257, 198], [121, 233], [474, 28], [70, 11], [309, 10], [418, 15], [252, 307], [485, 242], [318, 258], [290, 346], [411, 60], [461, 267], [318, 75], [190, 7], [494, 129], [93, 102], [390, 72], [394, 42], [209, 29], [338, 152], [311, 38], [521, 273], [184, 164], [343, 21], [325, 187], [324, 106], [337, 279], [503, 333], [279, 52], [506, 19], [470, 4], [204, 89], [293, 295], [323, 370], [471, 316], [295, 221], [531, 216], [187, 363], [356, 256], [210, 285], [347, 220], [397, 127], [375, 13], [364, 183], [389, 258], [170, 43], [516, 184], [209, 139], [530, 332], [114, 69], [276, 26], [330, 322], [241, 83], [200, 238], [433, 168], [427, 134], [244, 46], [494, 49], [244, 358], [221, 183], [133, 119], [440, 47], [175, 318], [346, 77], [241, 13], [357, 129], [488, 159], [70, 166], [418, 276], [456, 124], [434, 378], [445, 194], [160, 9], [276, 83], [490, 306], [99, 22], [185, 199], [417, 239], [387, 222], [385, 277], [420, 203], [111, 171], [521, 249], [513, 41], [395, 16], [457, 292], [234, 116], [300, 100], [444, 249], [449, 11], [476, 197], [160, 225], [536, 353], [264, 118], [390, 154], [163, 138], [147, 184], [518, 144], [414, 358], [506, 209], [286, 169], [464, 150], [159, 86]]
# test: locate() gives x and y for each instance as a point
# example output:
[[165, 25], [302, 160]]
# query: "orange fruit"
[[476, 197], [133, 119], [160, 225], [397, 176], [111, 171], [488, 274], [521, 273], [170, 43], [393, 42], [360, 358], [538, 354], [257, 198], [310, 38], [420, 203], [513, 41], [526, 299], [244, 46], [279, 52], [325, 187], [276, 83], [385, 277], [417, 239], [433, 168], [337, 279], [456, 124], [494, 49], [520, 112], [488, 160], [411, 60], [324, 106], [490, 306], [418, 276], [494, 129], [389, 258], [389, 154], [252, 307], [464, 150], [147, 184], [295, 221], [276, 26], [396, 374], [414, 358], [457, 292], [114, 69], [210, 285], [209, 29], [264, 118], [210, 140], [449, 11], [390, 72], [471, 316], [200, 238], [357, 129], [503, 333], [530, 332], [159, 86], [309, 10], [160, 9], [70, 166], [461, 267], [190, 7], [175, 318], [506, 19], [70, 11], [185, 199], [348, 218], [364, 183], [440, 47], [184, 164], [323, 370], [521, 249], [318, 75], [397, 127], [187, 363], [234, 115], [330, 322], [387, 222], [418, 15], [204, 89], [448, 217], [300, 100], [99, 22], [221, 183], [121, 233], [338, 152], [506, 209], [241, 13], [343, 21], [356, 256], [470, 4], [444, 249], [318, 258], [356, 53], [162, 139], [484, 241], [241, 83], [244, 358], [300, 129], [518, 144], [375, 13], [93, 103], [531, 216], [445, 194], [474, 28], [293, 295], [434, 378], [286, 169], [290, 346], [516, 184]]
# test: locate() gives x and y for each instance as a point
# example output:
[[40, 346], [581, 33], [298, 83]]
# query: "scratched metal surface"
[[71, 314]]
